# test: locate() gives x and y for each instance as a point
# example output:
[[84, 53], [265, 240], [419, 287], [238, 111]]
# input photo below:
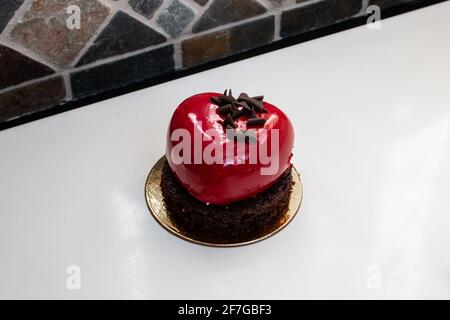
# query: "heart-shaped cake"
[[228, 163], [234, 178]]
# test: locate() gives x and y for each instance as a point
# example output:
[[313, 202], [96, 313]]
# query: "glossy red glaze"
[[225, 183]]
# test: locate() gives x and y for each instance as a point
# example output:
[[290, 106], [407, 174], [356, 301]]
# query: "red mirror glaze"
[[224, 183]]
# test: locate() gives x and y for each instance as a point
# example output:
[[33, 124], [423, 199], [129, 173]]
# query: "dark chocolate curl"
[[227, 109], [229, 122], [227, 99], [244, 106], [238, 113], [259, 109], [252, 115], [256, 104], [256, 122], [216, 101], [242, 97], [232, 109]]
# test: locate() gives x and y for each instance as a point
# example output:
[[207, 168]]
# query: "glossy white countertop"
[[371, 109]]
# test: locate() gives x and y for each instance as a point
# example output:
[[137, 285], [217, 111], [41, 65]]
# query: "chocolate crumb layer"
[[238, 221]]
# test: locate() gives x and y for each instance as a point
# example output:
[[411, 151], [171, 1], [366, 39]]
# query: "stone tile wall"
[[56, 51]]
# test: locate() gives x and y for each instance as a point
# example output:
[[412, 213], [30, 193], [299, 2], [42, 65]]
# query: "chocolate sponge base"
[[236, 222]]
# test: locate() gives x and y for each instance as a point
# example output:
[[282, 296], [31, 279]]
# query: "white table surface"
[[371, 111]]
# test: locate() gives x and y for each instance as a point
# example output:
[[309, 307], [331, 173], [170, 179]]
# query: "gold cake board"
[[155, 203]]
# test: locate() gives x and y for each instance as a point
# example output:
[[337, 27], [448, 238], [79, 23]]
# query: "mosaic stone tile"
[[31, 98], [279, 3], [17, 68], [316, 15], [123, 72], [7, 11], [146, 7], [44, 28], [175, 18], [123, 34], [201, 2], [225, 11], [138, 41], [224, 43]]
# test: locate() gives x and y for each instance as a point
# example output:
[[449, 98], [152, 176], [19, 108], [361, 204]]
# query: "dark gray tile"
[[389, 3], [8, 8], [316, 15], [225, 11], [146, 7], [175, 18], [201, 2], [123, 34], [123, 72], [31, 98], [17, 68]]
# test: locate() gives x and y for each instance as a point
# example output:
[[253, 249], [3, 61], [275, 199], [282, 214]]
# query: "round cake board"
[[157, 207]]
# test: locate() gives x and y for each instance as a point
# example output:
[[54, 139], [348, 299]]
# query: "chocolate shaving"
[[256, 122], [260, 109], [229, 122], [242, 97], [256, 104], [244, 106], [252, 115], [227, 109], [227, 99], [238, 113], [233, 109], [216, 101]]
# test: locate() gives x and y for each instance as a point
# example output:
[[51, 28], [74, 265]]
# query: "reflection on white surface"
[[413, 164], [134, 261], [126, 216], [134, 269]]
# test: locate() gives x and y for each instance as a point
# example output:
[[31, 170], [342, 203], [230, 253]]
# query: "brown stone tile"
[[31, 98], [206, 48], [44, 28], [17, 68], [226, 42]]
